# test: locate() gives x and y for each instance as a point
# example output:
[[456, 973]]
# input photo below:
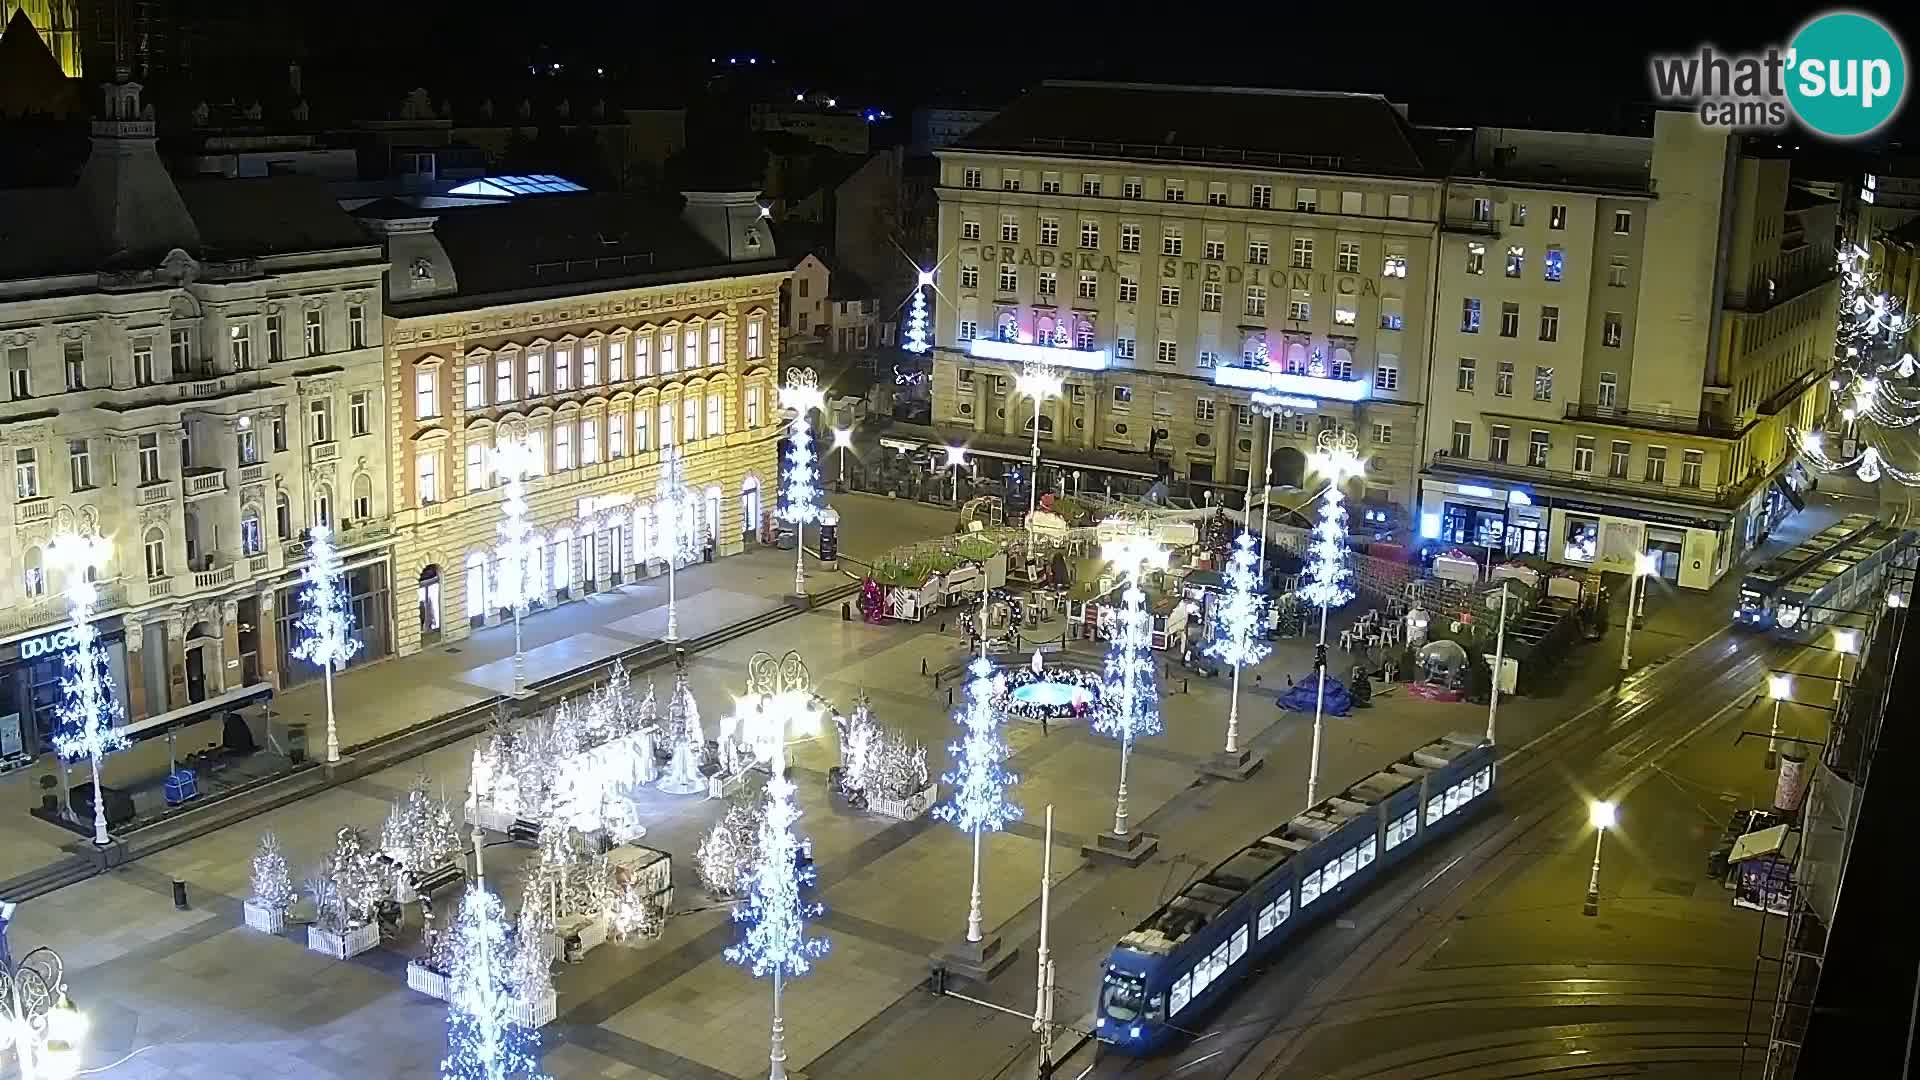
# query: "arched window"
[[362, 497], [750, 507], [282, 516], [323, 504], [253, 539], [1009, 326], [156, 549], [642, 533], [713, 515], [34, 572], [477, 585], [1296, 359]]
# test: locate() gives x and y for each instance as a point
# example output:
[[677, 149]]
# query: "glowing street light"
[[1338, 459], [90, 717], [37, 1017], [956, 457], [843, 442], [1038, 382], [1643, 565], [1846, 643], [1602, 815], [1779, 688]]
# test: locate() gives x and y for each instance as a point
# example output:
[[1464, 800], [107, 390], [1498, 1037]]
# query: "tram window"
[[1482, 780], [1182, 993], [1219, 961], [1239, 944], [1458, 794], [1157, 1008], [1310, 888], [1401, 829], [1367, 851], [1436, 807], [1123, 999], [1275, 913], [1349, 864]]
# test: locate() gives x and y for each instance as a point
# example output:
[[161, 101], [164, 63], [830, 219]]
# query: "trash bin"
[[297, 743]]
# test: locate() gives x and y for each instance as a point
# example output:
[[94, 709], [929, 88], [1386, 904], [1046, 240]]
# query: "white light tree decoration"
[[89, 716], [775, 913], [1237, 621], [801, 395], [1129, 709], [686, 741], [326, 621], [272, 885], [676, 534], [1338, 459], [917, 341], [484, 1041], [516, 460], [419, 834], [726, 859], [979, 778]]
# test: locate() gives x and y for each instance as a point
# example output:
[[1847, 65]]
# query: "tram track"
[[1619, 1050]]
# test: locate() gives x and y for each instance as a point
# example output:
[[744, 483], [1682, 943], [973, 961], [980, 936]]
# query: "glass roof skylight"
[[509, 187]]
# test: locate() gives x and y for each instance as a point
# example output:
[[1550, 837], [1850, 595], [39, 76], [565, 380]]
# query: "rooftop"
[[1357, 133]]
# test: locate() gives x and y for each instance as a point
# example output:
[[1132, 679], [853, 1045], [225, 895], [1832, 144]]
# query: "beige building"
[[601, 330], [1175, 251], [193, 373], [1626, 329]]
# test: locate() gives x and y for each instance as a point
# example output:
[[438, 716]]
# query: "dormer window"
[[753, 237]]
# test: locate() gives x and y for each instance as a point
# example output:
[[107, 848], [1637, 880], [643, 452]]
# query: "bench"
[[438, 878]]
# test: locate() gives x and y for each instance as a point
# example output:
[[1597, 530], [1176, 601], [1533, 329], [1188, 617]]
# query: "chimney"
[[733, 222]]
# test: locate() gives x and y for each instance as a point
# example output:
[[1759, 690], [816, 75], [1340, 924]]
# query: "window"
[[1089, 234], [1243, 417], [1049, 232], [80, 464], [1129, 290], [362, 496], [589, 440], [76, 365], [1089, 288], [1216, 194], [358, 408], [1391, 316], [323, 505], [1383, 434], [1549, 324], [1214, 250], [1345, 316], [1050, 183], [1302, 253], [617, 354], [475, 377], [1090, 186], [1134, 188], [690, 358], [26, 475], [1083, 337], [1009, 278], [1386, 376], [179, 350], [253, 540], [426, 394], [1656, 464], [969, 230], [1169, 296], [1539, 445], [716, 415], [1462, 439], [1516, 261], [1519, 213], [276, 348], [1402, 829], [1175, 191], [1503, 379], [1543, 384], [1609, 389], [1483, 209], [1622, 222], [1556, 216], [503, 380], [1348, 259], [969, 329], [537, 368], [970, 178], [1009, 181], [1691, 462], [155, 545], [1476, 258], [1210, 294], [640, 422], [1299, 306], [1009, 229], [690, 418], [426, 476], [1470, 315], [316, 331], [1256, 300], [562, 446], [282, 516], [616, 436], [1306, 200], [1129, 238], [320, 420], [1583, 453], [1309, 887], [357, 326], [1049, 282], [1260, 197], [1555, 263], [590, 357], [280, 430], [1259, 252], [1124, 348], [1170, 240], [1509, 320], [1352, 202], [1463, 378], [476, 468], [1498, 438], [143, 370], [1274, 914], [1617, 272], [1169, 352], [1617, 459], [1610, 332], [756, 340], [1162, 404], [248, 446], [1203, 410]]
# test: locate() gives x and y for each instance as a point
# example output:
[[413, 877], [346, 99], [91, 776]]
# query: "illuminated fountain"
[[1056, 693]]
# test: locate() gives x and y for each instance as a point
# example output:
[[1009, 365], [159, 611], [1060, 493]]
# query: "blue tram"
[[1760, 589], [1187, 957]]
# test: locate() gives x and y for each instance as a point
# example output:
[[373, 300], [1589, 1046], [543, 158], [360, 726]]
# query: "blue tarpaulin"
[[1299, 697]]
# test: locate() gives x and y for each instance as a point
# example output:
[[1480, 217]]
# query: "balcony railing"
[[160, 586], [252, 474], [32, 511], [205, 482], [1682, 423], [259, 564], [321, 453], [1721, 495], [157, 492], [214, 578], [1468, 224]]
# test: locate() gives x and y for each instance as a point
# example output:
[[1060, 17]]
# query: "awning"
[[196, 712], [1754, 845]]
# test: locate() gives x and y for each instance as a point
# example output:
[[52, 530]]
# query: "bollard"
[[1183, 687], [180, 896], [846, 611], [943, 626], [949, 696]]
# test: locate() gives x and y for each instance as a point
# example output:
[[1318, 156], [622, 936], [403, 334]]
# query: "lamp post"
[[1779, 688], [89, 714], [1499, 663], [1038, 382], [843, 442], [42, 1024], [1274, 412], [1603, 816], [1643, 564], [1846, 643], [1338, 459], [802, 395], [1133, 713], [515, 460], [956, 457]]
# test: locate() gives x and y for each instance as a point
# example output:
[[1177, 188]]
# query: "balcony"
[[159, 587], [252, 474], [203, 482], [1719, 496], [321, 453], [259, 564], [1705, 424], [1466, 223], [158, 491], [213, 578], [32, 511]]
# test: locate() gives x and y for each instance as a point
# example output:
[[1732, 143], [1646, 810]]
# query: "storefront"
[[1483, 516], [369, 595], [31, 669]]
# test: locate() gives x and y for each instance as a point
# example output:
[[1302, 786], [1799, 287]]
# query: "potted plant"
[[899, 785], [272, 893], [345, 896]]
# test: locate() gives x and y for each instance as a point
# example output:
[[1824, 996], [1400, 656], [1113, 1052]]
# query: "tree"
[[484, 1042], [979, 778], [326, 621], [1238, 618], [272, 885]]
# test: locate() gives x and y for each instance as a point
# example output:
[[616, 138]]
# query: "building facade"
[[1277, 253], [194, 374], [1581, 407], [663, 332]]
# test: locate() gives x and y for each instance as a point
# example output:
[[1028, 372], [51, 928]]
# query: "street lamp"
[[1602, 815], [1038, 382], [1643, 564], [1275, 412], [1846, 643], [1129, 664], [1499, 663], [956, 457], [41, 1023], [1337, 459], [515, 460], [843, 442], [802, 395], [90, 714], [1779, 688]]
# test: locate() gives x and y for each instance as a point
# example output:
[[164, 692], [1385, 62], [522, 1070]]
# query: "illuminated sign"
[[1282, 382], [1476, 491], [47, 644], [1019, 352], [1284, 401]]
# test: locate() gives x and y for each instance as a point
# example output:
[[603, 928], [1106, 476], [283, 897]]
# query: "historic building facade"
[[597, 367], [1276, 251], [193, 373]]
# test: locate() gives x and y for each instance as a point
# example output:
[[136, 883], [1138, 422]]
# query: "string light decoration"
[[1869, 360], [515, 460], [676, 534], [1129, 702], [1338, 459], [484, 1041], [90, 718], [272, 885], [917, 341], [326, 623], [801, 395], [1237, 621], [979, 778]]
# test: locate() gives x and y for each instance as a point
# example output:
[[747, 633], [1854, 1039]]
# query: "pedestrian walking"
[[1043, 723]]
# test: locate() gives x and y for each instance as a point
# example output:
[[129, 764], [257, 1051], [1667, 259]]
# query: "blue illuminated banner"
[[1019, 352], [1282, 382]]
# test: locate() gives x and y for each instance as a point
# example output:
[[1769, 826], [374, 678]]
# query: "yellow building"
[[58, 24]]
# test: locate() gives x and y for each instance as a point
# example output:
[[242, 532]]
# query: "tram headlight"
[[1788, 615], [1133, 1032]]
